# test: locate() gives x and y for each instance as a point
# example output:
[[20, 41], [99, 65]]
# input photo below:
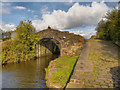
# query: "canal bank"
[[60, 70], [97, 67]]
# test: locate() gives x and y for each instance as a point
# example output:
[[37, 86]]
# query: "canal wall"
[[42, 50], [71, 51]]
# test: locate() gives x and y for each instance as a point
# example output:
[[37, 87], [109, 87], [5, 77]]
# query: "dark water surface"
[[29, 74]]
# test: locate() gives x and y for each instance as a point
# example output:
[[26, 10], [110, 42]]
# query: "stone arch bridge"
[[58, 42]]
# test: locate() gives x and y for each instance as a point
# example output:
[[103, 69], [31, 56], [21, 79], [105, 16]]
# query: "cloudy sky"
[[76, 17]]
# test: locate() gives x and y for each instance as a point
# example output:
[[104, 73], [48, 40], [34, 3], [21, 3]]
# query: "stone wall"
[[42, 51]]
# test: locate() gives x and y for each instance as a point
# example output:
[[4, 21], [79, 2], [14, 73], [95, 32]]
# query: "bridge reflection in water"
[[29, 74]]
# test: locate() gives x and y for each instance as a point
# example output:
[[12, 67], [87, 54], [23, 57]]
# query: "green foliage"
[[7, 38], [7, 35], [110, 29], [64, 65], [23, 46], [25, 33], [93, 37]]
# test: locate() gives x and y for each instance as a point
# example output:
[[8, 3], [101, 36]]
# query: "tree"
[[23, 46], [6, 35], [93, 37], [25, 34], [110, 29]]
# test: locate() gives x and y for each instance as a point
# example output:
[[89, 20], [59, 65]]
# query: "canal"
[[29, 74]]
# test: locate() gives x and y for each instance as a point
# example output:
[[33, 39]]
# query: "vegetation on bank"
[[109, 28], [64, 66], [93, 37], [22, 47], [6, 35]]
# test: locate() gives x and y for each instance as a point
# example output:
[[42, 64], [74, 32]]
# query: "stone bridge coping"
[[56, 34]]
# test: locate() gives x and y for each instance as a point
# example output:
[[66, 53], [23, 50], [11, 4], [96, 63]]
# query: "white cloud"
[[77, 16], [35, 16], [4, 11], [8, 27], [71, 1], [20, 7], [30, 10], [44, 10], [5, 4], [85, 34]]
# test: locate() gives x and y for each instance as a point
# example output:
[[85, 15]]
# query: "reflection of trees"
[[30, 73]]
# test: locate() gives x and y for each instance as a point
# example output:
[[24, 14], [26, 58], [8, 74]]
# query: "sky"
[[75, 17]]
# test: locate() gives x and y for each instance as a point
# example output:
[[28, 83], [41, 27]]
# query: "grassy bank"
[[59, 70]]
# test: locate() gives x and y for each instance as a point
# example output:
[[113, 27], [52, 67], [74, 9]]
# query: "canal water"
[[29, 74]]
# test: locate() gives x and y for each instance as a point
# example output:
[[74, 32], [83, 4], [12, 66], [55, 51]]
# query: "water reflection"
[[29, 74]]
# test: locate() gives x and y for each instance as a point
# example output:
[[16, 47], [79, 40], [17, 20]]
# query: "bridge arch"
[[63, 40], [47, 46]]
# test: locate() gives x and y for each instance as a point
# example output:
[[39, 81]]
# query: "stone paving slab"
[[103, 55], [84, 53], [83, 64], [74, 85]]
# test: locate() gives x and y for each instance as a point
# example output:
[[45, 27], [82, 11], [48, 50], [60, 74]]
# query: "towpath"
[[97, 66]]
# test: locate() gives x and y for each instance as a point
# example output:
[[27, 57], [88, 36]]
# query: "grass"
[[46, 70], [65, 66]]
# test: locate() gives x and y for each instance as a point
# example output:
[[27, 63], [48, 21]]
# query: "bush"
[[23, 46], [110, 29], [93, 37]]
